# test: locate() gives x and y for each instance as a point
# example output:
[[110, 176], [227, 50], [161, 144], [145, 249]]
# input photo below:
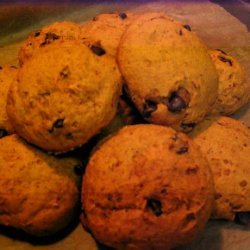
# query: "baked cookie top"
[[7, 76], [59, 30], [104, 32], [63, 96], [226, 144], [234, 90], [168, 71], [39, 193], [136, 189]]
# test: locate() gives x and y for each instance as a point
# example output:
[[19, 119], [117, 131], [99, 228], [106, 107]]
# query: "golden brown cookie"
[[169, 74], [226, 144], [7, 75], [40, 38], [104, 32], [234, 91], [147, 187], [63, 96], [38, 193]]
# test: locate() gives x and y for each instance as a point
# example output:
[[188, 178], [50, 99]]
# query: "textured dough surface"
[[160, 59], [234, 90], [38, 193], [137, 191], [226, 144], [7, 76], [63, 96], [47, 35], [105, 30]]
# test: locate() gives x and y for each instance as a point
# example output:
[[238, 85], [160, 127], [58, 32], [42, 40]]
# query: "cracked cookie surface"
[[64, 95], [136, 191]]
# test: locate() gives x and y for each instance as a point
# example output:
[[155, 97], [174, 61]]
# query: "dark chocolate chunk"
[[176, 103], [226, 60], [222, 51], [182, 150], [187, 27], [98, 50], [243, 218], [180, 33], [49, 37], [57, 124], [154, 206], [3, 133], [37, 33], [148, 108], [123, 15]]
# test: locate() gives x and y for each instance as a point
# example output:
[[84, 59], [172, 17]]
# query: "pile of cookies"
[[141, 98]]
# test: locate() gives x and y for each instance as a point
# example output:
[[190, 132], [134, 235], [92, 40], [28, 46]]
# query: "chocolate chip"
[[243, 218], [190, 216], [187, 27], [191, 170], [49, 37], [57, 124], [154, 206], [37, 33], [123, 15], [148, 108], [243, 183], [13, 67], [98, 50], [1, 67], [79, 169], [64, 73], [182, 150], [3, 133], [226, 60], [222, 51], [176, 103], [180, 33]]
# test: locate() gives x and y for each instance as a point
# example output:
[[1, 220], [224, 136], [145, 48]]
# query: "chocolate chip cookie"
[[39, 194], [7, 75], [46, 35], [104, 32], [168, 72], [234, 91], [226, 144], [64, 94], [146, 187]]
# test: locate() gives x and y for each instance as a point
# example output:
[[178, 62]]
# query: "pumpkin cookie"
[[136, 191], [49, 34], [39, 194], [168, 72], [226, 144], [7, 75], [63, 96], [234, 91], [104, 32]]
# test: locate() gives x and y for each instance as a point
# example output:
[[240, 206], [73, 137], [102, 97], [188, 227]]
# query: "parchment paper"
[[218, 29]]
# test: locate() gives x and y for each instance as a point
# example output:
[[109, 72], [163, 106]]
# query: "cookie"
[[64, 95], [226, 144], [7, 75], [234, 91], [168, 72], [47, 35], [104, 32], [39, 193], [136, 191]]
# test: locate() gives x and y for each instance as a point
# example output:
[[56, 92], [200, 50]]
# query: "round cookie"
[[7, 75], [39, 39], [104, 32], [136, 191], [226, 144], [234, 91], [60, 104], [169, 74], [39, 194]]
